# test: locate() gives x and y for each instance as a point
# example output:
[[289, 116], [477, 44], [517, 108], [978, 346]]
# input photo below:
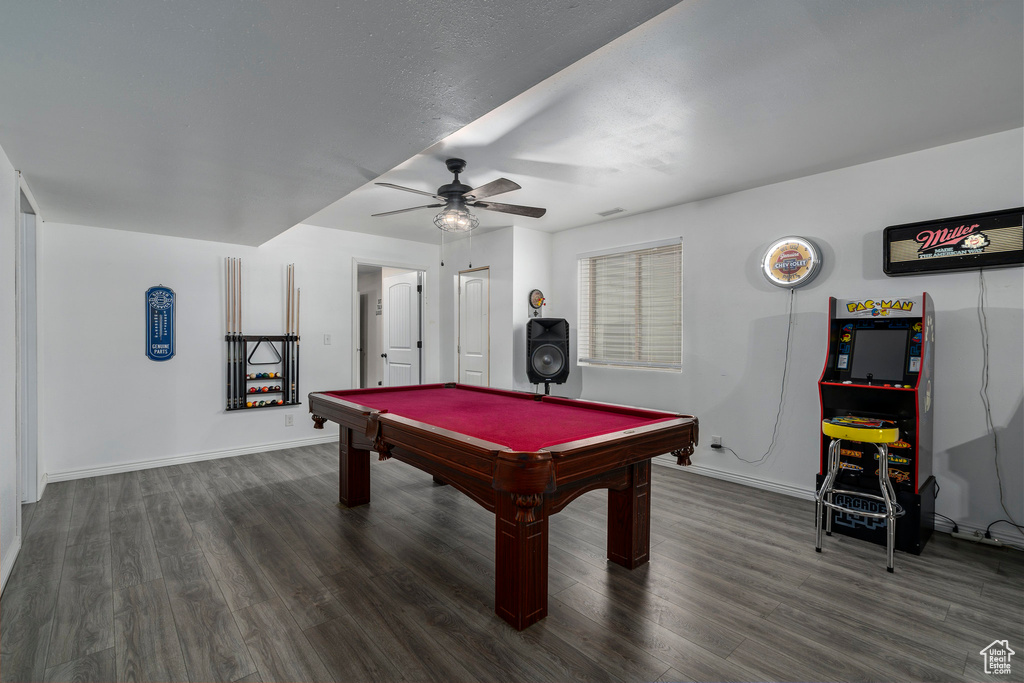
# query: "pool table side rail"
[[582, 458]]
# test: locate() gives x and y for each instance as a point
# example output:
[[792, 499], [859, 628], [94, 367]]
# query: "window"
[[631, 307]]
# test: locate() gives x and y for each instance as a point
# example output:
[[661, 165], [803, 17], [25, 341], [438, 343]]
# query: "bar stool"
[[864, 430]]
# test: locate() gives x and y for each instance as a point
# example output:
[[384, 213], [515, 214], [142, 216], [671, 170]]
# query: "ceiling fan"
[[456, 197]]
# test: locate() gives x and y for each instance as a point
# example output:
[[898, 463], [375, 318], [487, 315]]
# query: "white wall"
[[105, 407], [735, 323], [495, 251], [519, 260], [531, 251], [10, 536]]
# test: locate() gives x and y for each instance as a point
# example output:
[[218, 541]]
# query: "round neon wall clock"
[[791, 262]]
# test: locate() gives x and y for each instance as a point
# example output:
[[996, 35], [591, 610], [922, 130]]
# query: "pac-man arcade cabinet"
[[880, 363]]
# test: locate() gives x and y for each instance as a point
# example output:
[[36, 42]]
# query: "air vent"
[[611, 212]]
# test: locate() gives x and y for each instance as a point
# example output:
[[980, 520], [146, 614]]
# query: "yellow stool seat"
[[881, 433], [863, 429]]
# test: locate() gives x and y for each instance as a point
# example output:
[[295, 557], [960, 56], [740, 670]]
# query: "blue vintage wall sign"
[[160, 323]]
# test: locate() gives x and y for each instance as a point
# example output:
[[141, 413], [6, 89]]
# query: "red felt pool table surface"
[[521, 422]]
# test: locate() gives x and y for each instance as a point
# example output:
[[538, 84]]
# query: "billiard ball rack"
[[273, 388], [247, 388]]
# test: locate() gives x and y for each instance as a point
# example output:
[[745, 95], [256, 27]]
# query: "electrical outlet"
[[716, 442], [327, 340], [289, 420]]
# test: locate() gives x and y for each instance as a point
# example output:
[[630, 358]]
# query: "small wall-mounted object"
[[536, 302], [982, 240], [791, 262], [160, 323]]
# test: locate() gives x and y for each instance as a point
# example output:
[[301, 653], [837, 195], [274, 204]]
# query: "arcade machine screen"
[[879, 354]]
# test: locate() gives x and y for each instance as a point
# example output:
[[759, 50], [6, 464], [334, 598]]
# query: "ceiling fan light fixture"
[[456, 219]]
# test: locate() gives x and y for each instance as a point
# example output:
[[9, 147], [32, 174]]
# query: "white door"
[[474, 338], [27, 365], [401, 327]]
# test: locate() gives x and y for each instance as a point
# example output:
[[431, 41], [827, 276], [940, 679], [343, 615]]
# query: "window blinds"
[[631, 305]]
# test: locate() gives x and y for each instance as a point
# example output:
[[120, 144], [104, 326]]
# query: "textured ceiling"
[[234, 120], [717, 96]]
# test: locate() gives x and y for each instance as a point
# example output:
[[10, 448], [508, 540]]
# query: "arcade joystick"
[[870, 377]]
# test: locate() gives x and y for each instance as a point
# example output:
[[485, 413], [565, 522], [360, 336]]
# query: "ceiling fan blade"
[[492, 188], [530, 211], [409, 189], [413, 208]]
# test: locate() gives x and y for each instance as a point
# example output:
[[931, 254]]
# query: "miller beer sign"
[[984, 240]]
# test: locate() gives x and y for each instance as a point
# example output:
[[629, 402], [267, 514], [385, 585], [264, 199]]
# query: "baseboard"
[[40, 487], [941, 525], [784, 489], [7, 565], [182, 459]]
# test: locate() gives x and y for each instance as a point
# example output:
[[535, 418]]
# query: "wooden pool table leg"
[[354, 476], [521, 559], [629, 518]]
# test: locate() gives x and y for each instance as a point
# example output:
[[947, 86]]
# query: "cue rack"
[[247, 388]]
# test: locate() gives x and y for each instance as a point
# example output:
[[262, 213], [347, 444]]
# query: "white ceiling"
[[717, 96], [234, 121]]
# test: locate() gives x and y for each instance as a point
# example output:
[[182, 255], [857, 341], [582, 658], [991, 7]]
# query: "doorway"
[[388, 325], [474, 339], [25, 483]]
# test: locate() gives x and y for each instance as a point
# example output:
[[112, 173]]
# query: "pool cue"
[[286, 344], [241, 341], [234, 335], [291, 336], [234, 327], [227, 327], [234, 330], [298, 309]]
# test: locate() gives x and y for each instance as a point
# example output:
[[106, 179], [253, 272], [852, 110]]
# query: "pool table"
[[522, 456]]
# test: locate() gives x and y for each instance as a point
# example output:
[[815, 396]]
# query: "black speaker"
[[547, 350]]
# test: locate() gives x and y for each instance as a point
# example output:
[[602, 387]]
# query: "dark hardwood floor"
[[243, 569]]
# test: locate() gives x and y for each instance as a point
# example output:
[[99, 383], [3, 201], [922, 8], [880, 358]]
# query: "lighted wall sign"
[[983, 240]]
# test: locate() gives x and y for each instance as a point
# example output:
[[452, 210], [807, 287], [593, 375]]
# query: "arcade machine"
[[880, 364]]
